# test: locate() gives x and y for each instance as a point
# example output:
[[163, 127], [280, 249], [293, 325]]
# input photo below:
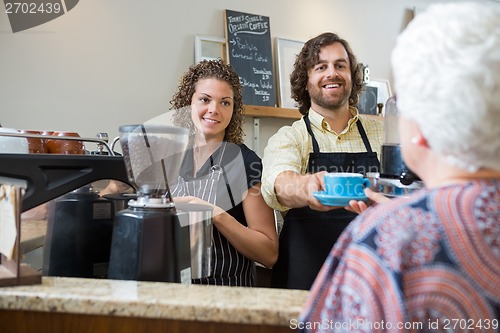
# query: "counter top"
[[83, 304], [258, 306]]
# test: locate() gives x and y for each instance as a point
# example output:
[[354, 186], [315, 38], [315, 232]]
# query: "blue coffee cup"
[[344, 184]]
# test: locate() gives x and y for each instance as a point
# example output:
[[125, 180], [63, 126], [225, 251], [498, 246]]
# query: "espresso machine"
[[395, 178], [79, 230], [91, 236], [79, 221], [151, 238]]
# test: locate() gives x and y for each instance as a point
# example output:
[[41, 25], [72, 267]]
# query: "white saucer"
[[333, 200]]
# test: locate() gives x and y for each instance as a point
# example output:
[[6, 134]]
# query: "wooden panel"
[[272, 112], [47, 322]]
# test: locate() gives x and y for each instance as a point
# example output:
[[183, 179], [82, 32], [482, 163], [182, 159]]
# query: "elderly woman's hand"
[[361, 206]]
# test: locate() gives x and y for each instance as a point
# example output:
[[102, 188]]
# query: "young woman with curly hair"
[[222, 171]]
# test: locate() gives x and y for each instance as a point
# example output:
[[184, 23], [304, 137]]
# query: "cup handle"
[[360, 189], [366, 183]]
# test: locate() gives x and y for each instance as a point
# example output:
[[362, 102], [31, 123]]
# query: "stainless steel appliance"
[[159, 240], [79, 221], [200, 237]]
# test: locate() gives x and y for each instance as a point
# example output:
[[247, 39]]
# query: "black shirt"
[[224, 181]]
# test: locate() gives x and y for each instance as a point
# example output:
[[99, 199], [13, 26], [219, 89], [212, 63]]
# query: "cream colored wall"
[[112, 62]]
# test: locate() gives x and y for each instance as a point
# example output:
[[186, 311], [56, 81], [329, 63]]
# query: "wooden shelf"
[[275, 112], [271, 112]]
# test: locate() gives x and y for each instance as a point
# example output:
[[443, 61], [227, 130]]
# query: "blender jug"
[[392, 164], [395, 177], [153, 239], [152, 154]]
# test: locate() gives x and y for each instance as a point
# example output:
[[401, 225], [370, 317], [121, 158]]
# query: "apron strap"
[[228, 188], [309, 130], [364, 137], [223, 174], [361, 130]]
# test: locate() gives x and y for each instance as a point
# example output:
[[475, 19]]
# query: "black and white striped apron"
[[211, 184]]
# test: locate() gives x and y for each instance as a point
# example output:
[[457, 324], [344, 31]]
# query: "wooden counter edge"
[[19, 321]]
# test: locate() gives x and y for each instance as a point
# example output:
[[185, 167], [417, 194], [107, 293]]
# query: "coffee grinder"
[[79, 229], [78, 238], [396, 179], [151, 240]]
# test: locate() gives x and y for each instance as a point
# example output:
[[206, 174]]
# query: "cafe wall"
[[111, 62]]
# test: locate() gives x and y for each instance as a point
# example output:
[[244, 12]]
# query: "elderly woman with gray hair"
[[430, 262]]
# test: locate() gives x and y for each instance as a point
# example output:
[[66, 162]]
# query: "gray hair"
[[446, 68]]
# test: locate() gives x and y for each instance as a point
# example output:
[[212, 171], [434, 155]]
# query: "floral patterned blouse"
[[429, 263]]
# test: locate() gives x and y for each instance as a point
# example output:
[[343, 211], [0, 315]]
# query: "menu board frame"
[[249, 47]]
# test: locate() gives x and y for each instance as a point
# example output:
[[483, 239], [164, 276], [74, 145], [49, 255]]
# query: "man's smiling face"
[[330, 82]]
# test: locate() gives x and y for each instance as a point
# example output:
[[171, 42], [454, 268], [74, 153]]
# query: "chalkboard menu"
[[248, 40]]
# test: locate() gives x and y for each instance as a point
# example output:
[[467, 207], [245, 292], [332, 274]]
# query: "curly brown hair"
[[207, 69], [309, 57]]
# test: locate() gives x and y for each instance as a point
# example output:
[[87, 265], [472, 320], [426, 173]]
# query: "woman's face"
[[212, 107]]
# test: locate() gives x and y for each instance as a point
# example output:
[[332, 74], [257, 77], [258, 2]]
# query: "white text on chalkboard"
[[247, 24]]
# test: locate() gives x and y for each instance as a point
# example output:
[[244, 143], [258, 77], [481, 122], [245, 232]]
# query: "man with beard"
[[330, 137]]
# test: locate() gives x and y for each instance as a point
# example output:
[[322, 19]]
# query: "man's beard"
[[329, 102]]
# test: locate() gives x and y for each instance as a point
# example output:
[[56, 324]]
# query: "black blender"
[[151, 240], [396, 179]]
